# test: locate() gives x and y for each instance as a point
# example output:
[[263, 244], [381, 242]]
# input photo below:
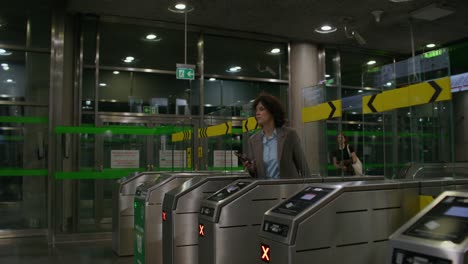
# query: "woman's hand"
[[250, 166]]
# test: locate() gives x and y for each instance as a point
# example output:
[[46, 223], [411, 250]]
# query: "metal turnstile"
[[436, 235], [231, 217], [148, 214], [346, 222], [180, 216], [123, 194], [434, 187]]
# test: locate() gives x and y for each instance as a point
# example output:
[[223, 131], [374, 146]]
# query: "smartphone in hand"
[[241, 156]]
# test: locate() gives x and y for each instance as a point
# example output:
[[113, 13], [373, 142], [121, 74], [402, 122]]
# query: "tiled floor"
[[36, 251]]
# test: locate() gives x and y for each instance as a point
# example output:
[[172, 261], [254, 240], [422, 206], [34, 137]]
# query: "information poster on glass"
[[172, 158], [224, 158], [125, 159]]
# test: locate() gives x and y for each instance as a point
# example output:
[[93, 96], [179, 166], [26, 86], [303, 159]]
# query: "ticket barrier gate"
[[123, 193], [337, 223], [180, 216], [148, 208], [436, 235], [231, 217], [434, 187]]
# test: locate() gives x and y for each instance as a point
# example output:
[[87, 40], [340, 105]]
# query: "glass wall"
[[24, 98], [127, 81], [385, 141]]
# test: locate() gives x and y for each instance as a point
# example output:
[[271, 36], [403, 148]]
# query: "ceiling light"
[[430, 45], [234, 69], [115, 72], [324, 29], [151, 36], [208, 105], [6, 68], [327, 75], [4, 52], [4, 64], [103, 84], [275, 51], [9, 81], [129, 59], [359, 91], [180, 7], [212, 79], [371, 62]]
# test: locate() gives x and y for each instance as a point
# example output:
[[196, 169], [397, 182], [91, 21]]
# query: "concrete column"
[[460, 126], [305, 70]]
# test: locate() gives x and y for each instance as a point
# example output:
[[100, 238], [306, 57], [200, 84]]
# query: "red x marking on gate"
[[265, 253], [201, 232]]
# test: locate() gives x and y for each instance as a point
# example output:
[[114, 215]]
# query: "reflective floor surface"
[[36, 251]]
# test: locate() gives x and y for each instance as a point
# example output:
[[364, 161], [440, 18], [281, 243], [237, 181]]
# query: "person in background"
[[275, 151], [342, 159]]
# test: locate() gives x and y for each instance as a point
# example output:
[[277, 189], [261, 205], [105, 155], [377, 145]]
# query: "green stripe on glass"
[[22, 172], [373, 165], [381, 134], [119, 130], [23, 119], [106, 173], [225, 168]]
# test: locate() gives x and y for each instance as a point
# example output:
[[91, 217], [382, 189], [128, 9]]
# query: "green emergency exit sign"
[[185, 72]]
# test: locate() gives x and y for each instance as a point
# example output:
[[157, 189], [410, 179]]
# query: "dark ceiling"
[[297, 19]]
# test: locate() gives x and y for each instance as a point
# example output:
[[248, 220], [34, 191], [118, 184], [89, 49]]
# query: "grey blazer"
[[292, 162]]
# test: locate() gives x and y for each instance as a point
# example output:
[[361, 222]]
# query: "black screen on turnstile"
[[302, 200], [448, 220], [227, 191]]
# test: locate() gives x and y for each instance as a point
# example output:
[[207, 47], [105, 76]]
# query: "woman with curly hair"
[[275, 151]]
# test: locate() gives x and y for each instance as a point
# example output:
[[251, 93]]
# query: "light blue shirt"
[[270, 155]]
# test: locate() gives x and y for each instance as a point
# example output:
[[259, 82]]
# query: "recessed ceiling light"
[[103, 84], [115, 72], [4, 52], [129, 59], [275, 51], [234, 69], [324, 29], [212, 79], [371, 62], [180, 7], [151, 36], [430, 45]]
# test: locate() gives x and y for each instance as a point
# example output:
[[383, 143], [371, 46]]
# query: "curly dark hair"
[[273, 105]]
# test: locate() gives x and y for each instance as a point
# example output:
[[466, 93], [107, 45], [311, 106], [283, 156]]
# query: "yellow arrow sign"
[[218, 130], [249, 124], [182, 136], [421, 93], [323, 111]]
